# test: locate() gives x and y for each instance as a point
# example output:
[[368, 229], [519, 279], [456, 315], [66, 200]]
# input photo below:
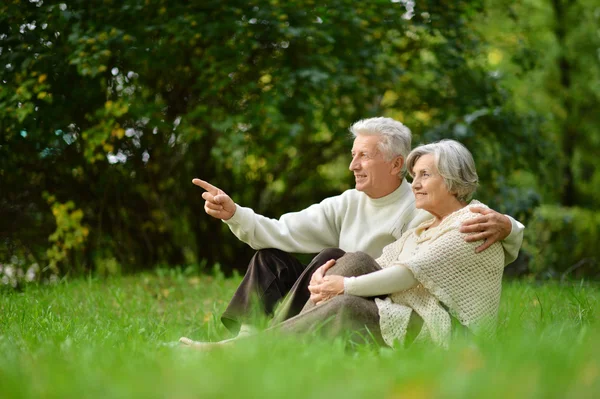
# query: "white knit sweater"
[[351, 221], [449, 272]]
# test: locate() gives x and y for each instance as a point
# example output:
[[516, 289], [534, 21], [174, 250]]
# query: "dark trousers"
[[271, 275]]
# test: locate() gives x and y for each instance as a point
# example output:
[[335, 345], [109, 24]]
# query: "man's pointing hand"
[[217, 203]]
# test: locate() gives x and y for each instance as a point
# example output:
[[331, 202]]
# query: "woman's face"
[[429, 188]]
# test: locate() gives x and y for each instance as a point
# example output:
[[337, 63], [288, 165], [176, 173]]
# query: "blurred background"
[[108, 109]]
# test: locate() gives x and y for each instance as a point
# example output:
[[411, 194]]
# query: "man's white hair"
[[395, 137], [454, 163]]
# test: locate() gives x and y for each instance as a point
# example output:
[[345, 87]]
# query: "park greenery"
[[108, 109]]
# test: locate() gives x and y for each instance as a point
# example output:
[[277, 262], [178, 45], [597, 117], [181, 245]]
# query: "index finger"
[[206, 185]]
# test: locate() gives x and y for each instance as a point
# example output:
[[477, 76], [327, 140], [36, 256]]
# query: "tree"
[[548, 52], [108, 110]]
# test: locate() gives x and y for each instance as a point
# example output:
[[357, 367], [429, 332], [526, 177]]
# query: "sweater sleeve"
[[512, 243], [307, 231], [381, 282]]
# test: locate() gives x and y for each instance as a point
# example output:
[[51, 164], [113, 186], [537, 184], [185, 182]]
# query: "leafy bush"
[[111, 108], [563, 241]]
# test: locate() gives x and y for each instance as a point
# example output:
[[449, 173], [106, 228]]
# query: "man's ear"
[[397, 164]]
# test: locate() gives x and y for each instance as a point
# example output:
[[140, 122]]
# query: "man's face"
[[374, 176]]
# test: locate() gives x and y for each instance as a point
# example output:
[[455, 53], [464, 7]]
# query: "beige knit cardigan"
[[449, 272]]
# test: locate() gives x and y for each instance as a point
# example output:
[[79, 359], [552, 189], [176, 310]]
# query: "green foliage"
[[111, 335], [563, 241], [114, 107], [70, 235], [546, 53]]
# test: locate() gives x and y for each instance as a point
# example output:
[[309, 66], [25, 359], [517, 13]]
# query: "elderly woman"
[[425, 281]]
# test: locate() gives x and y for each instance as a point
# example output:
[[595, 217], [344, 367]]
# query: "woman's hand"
[[317, 277], [323, 288]]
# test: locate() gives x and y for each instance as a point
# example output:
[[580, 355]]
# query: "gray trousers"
[[342, 315]]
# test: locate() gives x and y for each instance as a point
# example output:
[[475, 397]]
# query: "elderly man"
[[366, 219]]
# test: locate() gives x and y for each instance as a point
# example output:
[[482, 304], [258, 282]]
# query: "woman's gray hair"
[[395, 137], [454, 163]]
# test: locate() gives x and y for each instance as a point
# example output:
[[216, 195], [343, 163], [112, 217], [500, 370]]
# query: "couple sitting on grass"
[[395, 266]]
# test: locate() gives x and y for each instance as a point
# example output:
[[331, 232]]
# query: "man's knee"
[[268, 258], [269, 253]]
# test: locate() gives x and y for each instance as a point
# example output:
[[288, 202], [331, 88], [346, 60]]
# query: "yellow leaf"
[[42, 78], [265, 79], [41, 95], [422, 116], [495, 57], [389, 98], [119, 133]]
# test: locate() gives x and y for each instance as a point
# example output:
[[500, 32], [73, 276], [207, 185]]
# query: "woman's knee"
[[331, 253], [354, 264], [362, 258]]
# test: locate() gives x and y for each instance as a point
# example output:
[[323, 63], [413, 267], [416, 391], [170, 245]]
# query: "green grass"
[[103, 338]]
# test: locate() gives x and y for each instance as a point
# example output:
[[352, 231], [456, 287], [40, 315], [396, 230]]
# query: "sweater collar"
[[395, 196], [446, 224]]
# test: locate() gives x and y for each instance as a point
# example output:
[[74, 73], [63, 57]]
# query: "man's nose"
[[354, 164]]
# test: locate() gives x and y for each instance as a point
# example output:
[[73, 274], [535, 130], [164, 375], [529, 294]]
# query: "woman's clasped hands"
[[322, 288]]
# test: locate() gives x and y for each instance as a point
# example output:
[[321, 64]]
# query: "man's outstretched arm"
[[307, 231]]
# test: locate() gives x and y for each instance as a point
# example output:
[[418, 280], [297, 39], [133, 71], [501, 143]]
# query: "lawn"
[[111, 338]]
